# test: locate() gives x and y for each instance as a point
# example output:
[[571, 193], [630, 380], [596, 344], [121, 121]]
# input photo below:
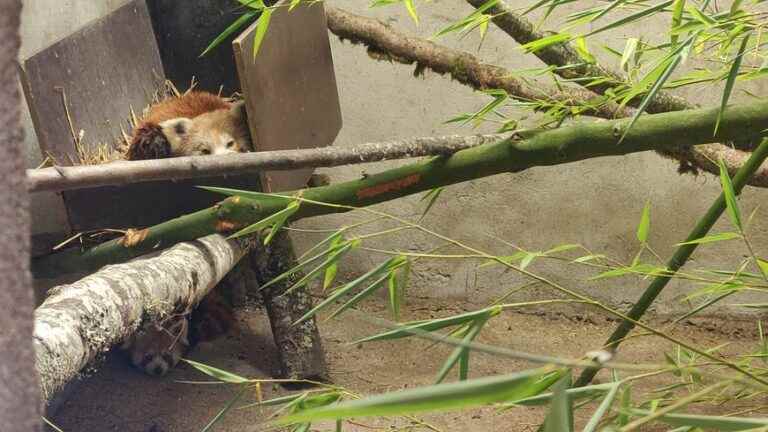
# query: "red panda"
[[195, 123]]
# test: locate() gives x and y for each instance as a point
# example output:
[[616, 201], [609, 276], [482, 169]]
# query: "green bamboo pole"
[[680, 256], [533, 148]]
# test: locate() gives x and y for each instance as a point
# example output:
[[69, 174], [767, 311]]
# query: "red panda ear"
[[149, 142], [179, 126]]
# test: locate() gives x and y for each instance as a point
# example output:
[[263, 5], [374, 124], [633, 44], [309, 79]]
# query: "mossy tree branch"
[[520, 152], [385, 43], [703, 157]]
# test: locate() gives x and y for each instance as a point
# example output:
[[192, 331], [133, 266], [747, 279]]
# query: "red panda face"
[[157, 348], [214, 133]]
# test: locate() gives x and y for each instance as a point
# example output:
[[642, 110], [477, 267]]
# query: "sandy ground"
[[117, 398]]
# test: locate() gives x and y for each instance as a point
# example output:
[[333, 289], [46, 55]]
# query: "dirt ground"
[[118, 398]]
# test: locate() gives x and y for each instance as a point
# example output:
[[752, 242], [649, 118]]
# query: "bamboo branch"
[[59, 179], [79, 321], [679, 258], [535, 148], [387, 44], [705, 157]]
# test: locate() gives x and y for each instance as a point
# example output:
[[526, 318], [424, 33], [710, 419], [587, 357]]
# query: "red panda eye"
[[230, 144], [205, 151]]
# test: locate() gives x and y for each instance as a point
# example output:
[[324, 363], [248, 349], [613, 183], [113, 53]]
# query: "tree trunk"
[[301, 352], [79, 321], [19, 395]]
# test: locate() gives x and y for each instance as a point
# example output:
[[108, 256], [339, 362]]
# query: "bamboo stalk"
[[679, 258], [535, 148]]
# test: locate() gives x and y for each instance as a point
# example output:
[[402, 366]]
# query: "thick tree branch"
[[77, 322], [523, 31], [59, 179], [535, 148], [383, 42]]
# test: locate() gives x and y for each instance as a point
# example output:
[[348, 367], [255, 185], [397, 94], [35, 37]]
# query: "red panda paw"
[[149, 142]]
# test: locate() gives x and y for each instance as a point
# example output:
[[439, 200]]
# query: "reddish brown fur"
[[189, 105], [148, 140], [212, 318]]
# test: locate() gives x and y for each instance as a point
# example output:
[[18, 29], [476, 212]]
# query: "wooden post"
[[19, 394]]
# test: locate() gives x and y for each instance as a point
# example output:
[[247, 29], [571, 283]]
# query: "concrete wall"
[[595, 203]]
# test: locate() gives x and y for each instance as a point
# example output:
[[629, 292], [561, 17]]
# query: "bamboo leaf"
[[411, 10], [574, 393], [677, 19], [730, 197], [732, 74], [717, 423], [275, 218], [289, 210], [540, 44], [675, 61], [440, 397], [413, 328], [583, 51], [561, 248], [332, 268], [629, 53], [240, 22], [587, 258], [712, 238], [348, 288], [602, 409], [261, 30], [224, 410], [359, 296], [294, 3], [700, 16], [560, 415], [614, 4], [763, 264], [394, 293], [432, 195], [219, 374], [469, 19], [303, 264], [332, 258], [645, 223], [631, 18], [461, 351]]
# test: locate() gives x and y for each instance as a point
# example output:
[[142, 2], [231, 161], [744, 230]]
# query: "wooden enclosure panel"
[[146, 204], [290, 87], [183, 29], [103, 70]]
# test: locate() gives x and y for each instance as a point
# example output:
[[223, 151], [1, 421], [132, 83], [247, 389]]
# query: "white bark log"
[[79, 321]]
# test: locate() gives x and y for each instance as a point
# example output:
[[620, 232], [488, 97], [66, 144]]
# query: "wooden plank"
[[290, 87], [105, 69], [101, 72]]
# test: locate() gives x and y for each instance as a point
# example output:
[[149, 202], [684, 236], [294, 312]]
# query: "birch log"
[[79, 321]]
